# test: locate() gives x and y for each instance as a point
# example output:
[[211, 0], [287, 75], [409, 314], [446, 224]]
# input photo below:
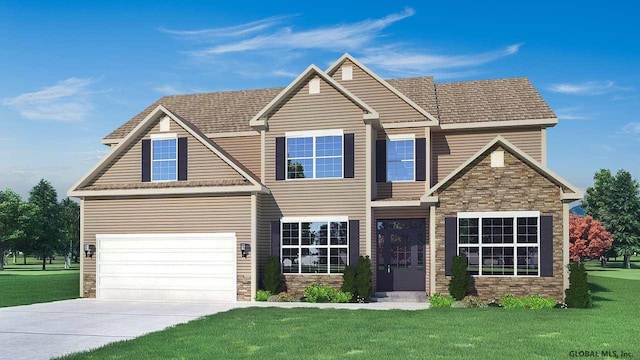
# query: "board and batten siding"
[[390, 106], [214, 214], [450, 149], [402, 189], [245, 149], [310, 197], [203, 164]]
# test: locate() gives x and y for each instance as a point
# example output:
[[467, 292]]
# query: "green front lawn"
[[28, 284], [273, 333]]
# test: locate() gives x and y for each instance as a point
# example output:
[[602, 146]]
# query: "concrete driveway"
[[42, 331]]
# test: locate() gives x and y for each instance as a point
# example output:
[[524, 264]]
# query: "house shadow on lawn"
[[597, 293]]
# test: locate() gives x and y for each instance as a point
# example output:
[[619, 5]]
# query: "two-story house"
[[199, 190]]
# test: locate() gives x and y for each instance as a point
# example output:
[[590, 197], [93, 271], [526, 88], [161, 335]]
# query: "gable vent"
[[314, 86], [497, 158], [347, 72], [165, 124]]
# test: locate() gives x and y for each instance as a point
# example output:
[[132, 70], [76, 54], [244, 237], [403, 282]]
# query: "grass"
[[487, 333], [28, 284]]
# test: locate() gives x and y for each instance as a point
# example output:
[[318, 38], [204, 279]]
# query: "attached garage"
[[166, 267]]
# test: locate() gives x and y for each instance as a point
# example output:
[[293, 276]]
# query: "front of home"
[[199, 190]]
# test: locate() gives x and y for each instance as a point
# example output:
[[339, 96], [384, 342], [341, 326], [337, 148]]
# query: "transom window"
[[164, 160], [400, 159], [500, 243], [311, 247], [315, 155]]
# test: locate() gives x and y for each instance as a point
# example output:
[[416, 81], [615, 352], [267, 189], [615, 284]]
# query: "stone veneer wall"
[[295, 284], [244, 287], [89, 285], [514, 187]]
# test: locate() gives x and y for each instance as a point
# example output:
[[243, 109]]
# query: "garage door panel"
[[168, 295], [177, 243], [173, 257], [159, 269], [160, 282]]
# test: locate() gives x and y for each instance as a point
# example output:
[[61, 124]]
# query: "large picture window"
[[164, 165], [401, 159], [312, 247], [500, 243], [315, 155]]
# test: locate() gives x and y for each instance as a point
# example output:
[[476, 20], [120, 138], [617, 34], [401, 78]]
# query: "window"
[[314, 247], [400, 159], [164, 159], [500, 243], [315, 155]]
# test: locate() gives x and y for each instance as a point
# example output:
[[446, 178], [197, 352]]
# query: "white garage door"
[[166, 267]]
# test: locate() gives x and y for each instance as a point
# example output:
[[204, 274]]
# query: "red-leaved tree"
[[588, 239]]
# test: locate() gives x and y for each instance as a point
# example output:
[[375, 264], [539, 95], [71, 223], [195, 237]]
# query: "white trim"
[[254, 246], [498, 214], [263, 165], [163, 235], [289, 219], [153, 140], [170, 191], [402, 125], [310, 133], [432, 252], [506, 123], [81, 250], [565, 246], [396, 137], [111, 141], [163, 136], [232, 134], [399, 203], [402, 96], [402, 137], [370, 188]]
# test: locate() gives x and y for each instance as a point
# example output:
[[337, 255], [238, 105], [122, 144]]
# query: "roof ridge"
[[484, 80], [222, 92]]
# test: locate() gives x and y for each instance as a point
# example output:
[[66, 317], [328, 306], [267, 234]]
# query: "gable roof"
[[384, 83], [81, 189], [258, 119], [573, 194]]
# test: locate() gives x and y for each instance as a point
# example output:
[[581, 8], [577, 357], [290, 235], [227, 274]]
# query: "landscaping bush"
[[512, 302], [472, 302], [349, 280], [363, 278], [538, 302], [318, 293], [272, 277], [440, 301], [459, 283], [282, 297], [578, 294], [262, 295]]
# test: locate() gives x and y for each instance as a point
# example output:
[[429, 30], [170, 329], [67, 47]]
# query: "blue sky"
[[73, 71]]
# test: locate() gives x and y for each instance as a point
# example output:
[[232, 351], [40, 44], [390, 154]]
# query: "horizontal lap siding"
[[387, 190], [304, 111], [203, 163], [245, 149], [168, 215], [389, 105], [452, 148]]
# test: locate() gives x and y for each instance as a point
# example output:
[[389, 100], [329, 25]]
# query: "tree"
[[28, 219], [578, 294], [272, 277], [459, 283], [70, 218], [9, 221], [588, 239], [615, 201], [46, 232], [363, 277]]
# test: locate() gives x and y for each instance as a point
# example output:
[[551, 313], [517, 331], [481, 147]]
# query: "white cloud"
[[229, 31], [408, 62], [66, 101], [4, 140], [572, 113], [631, 128], [284, 73], [586, 88], [91, 156]]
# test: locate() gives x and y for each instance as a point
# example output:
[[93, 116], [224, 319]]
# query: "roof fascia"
[[547, 122], [170, 191]]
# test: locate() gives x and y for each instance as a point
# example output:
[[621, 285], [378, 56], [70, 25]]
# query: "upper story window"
[[164, 159], [401, 158], [315, 154]]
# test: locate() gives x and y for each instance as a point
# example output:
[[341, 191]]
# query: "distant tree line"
[[40, 226]]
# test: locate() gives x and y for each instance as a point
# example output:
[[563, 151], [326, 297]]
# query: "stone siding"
[[244, 287], [295, 284], [89, 285]]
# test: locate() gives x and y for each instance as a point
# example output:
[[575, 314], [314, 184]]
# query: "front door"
[[401, 260]]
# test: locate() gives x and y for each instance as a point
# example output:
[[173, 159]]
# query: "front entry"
[[401, 255]]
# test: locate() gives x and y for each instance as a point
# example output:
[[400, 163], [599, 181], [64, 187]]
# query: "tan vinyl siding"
[[307, 197], [264, 236], [452, 148], [203, 163], [389, 105], [245, 149], [405, 189], [168, 215]]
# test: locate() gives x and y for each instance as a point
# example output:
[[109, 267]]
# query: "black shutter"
[[354, 242], [275, 238], [182, 159], [381, 160], [546, 246], [348, 156], [421, 159], [281, 159], [146, 160], [450, 243]]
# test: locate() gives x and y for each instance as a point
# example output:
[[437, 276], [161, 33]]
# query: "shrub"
[[349, 280], [494, 303], [578, 294], [318, 293], [363, 277], [459, 283], [440, 301], [538, 302], [285, 297], [512, 302], [272, 277], [472, 302], [262, 295], [342, 297]]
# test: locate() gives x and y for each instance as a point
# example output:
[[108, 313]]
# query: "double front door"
[[401, 255]]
